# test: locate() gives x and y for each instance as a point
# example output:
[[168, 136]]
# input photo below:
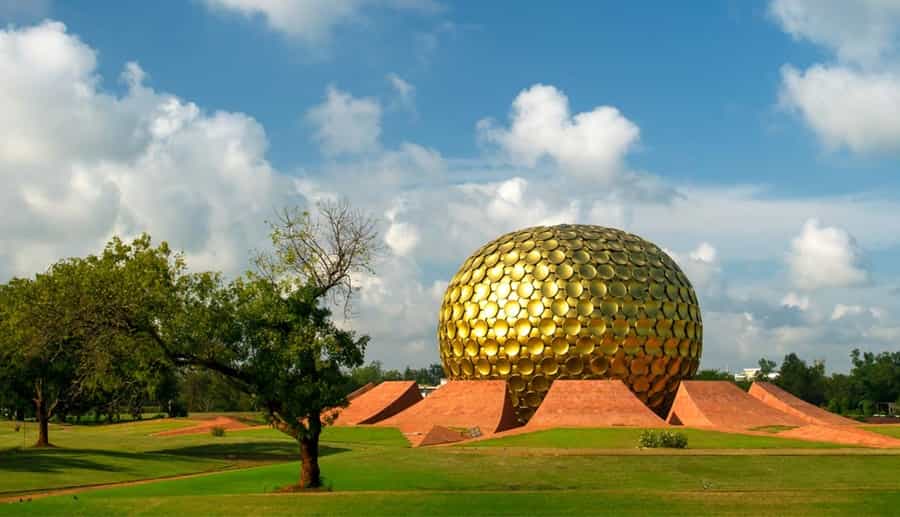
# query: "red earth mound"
[[378, 402], [361, 390], [438, 435], [840, 434], [204, 426], [457, 405], [773, 396], [722, 405], [576, 403]]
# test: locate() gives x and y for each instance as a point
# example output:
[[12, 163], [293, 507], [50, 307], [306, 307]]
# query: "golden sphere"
[[571, 302]]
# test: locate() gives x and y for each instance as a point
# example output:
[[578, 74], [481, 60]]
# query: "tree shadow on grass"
[[57, 460], [46, 461], [257, 451]]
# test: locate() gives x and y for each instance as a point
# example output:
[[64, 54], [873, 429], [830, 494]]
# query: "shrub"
[[656, 438], [217, 431]]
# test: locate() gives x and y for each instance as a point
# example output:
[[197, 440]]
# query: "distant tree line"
[[873, 379], [374, 372]]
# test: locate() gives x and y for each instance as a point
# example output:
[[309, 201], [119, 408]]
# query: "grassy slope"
[[889, 430], [613, 438]]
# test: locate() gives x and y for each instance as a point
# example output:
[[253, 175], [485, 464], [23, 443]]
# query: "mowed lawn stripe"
[[418, 469], [585, 502]]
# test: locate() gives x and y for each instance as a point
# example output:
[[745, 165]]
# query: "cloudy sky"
[[758, 142]]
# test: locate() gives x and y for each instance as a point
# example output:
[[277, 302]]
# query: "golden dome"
[[571, 302]]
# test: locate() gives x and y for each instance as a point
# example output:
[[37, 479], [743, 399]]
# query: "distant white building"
[[428, 390], [751, 374]]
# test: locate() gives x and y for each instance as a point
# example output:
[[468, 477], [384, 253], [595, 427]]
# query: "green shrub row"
[[657, 438]]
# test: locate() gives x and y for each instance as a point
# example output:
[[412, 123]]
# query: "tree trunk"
[[42, 412], [309, 454], [40, 407]]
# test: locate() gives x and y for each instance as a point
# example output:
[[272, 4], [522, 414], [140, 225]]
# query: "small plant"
[[655, 438], [217, 431]]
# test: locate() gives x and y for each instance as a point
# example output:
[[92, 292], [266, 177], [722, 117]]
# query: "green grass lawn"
[[372, 471], [889, 430], [623, 438], [588, 502], [95, 454], [444, 481]]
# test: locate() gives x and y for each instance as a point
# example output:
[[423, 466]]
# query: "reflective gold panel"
[[579, 301]]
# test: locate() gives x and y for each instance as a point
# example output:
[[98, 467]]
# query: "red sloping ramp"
[[572, 403], [722, 405], [841, 434], [380, 402], [360, 391], [458, 405], [771, 395], [439, 435]]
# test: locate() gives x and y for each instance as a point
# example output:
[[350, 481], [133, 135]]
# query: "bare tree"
[[322, 251]]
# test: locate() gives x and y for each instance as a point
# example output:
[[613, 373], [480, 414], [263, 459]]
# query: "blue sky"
[[757, 141]]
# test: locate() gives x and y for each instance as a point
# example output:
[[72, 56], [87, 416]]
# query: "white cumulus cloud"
[[345, 124], [705, 252], [405, 91], [590, 145], [851, 103], [846, 107], [314, 20], [795, 301], [861, 31], [844, 311], [401, 237], [79, 164], [825, 257]]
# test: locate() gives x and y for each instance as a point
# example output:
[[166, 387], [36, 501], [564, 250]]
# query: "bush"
[[656, 438], [217, 431]]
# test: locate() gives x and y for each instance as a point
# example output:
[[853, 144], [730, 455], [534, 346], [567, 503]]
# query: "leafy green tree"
[[362, 375], [270, 333], [301, 354], [206, 390], [713, 375], [292, 358], [15, 399], [39, 344], [877, 375], [766, 366], [841, 393], [375, 373], [804, 381]]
